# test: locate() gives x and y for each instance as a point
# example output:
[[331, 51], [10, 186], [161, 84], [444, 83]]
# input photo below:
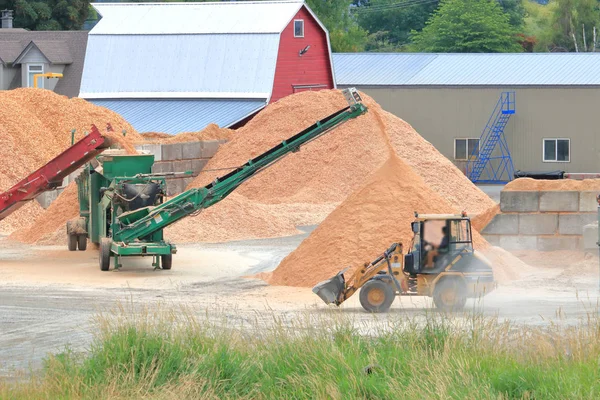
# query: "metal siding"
[[194, 18], [179, 63], [175, 116], [442, 114], [312, 68], [534, 69]]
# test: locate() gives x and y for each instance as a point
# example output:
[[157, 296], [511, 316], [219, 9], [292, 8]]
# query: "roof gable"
[[55, 52], [194, 18]]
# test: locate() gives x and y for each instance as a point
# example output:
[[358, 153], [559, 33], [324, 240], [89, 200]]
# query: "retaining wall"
[[544, 220]]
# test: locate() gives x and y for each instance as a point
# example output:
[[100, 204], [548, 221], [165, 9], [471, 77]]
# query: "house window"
[[298, 28], [557, 150], [466, 148], [33, 69]]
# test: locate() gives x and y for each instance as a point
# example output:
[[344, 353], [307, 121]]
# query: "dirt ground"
[[48, 295]]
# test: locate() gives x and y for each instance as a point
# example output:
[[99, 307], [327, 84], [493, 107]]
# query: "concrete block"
[[192, 150], [494, 240], [559, 201], [518, 242], [174, 186], [209, 148], [171, 152], [519, 201], [551, 243], [587, 201], [162, 167], [154, 149], [538, 224], [572, 224], [590, 236], [182, 166], [46, 198], [187, 181], [503, 224], [197, 166]]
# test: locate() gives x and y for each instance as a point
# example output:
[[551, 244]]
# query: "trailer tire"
[[449, 295], [82, 242], [72, 242], [376, 296], [104, 254], [166, 261]]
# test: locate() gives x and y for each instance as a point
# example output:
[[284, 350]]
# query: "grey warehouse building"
[[449, 98]]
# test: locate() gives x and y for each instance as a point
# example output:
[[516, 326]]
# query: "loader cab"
[[447, 235]]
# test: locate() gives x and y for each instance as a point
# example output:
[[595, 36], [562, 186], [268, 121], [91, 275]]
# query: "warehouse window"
[[298, 28], [33, 69], [466, 148], [557, 150]]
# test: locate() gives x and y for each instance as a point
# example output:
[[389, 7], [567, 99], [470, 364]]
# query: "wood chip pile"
[[35, 126], [327, 170], [529, 184], [211, 132]]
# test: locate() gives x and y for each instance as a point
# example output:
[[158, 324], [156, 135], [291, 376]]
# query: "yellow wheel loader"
[[441, 264]]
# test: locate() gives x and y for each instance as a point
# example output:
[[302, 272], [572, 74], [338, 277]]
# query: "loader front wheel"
[[376, 296], [72, 242], [105, 254], [82, 242], [450, 295], [166, 261]]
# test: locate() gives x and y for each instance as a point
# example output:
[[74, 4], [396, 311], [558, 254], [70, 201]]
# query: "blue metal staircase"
[[494, 164]]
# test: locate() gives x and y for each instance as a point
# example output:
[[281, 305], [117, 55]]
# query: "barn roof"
[[195, 18], [419, 69]]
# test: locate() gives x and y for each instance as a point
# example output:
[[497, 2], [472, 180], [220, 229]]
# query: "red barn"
[[174, 67]]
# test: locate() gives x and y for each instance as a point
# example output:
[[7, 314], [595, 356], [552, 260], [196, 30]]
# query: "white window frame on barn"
[[302, 25], [555, 158], [30, 74], [467, 153]]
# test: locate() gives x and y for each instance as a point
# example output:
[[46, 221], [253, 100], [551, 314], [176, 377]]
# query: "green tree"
[[344, 32], [47, 14], [467, 26], [572, 26], [390, 22]]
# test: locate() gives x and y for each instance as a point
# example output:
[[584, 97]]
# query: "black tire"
[[104, 254], [166, 261], [450, 294], [71, 242], [82, 242], [376, 296]]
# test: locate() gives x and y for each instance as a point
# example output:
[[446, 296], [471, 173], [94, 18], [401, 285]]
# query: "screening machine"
[[123, 205]]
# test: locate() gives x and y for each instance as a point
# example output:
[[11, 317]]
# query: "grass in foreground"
[[175, 355]]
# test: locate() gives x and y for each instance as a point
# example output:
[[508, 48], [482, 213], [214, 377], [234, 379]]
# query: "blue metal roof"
[[416, 69], [181, 115]]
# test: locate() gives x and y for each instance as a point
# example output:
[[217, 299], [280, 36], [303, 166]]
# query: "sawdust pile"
[[50, 226], [35, 126], [482, 220], [529, 184], [211, 132], [365, 224]]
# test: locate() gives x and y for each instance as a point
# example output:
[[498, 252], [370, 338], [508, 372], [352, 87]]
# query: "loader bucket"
[[330, 290]]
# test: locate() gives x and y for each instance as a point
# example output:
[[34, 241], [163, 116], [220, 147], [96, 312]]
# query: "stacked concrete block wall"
[[181, 157], [542, 220]]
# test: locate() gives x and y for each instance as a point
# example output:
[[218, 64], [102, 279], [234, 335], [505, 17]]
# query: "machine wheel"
[[82, 242], [104, 254], [72, 242], [449, 295], [166, 261], [376, 296]]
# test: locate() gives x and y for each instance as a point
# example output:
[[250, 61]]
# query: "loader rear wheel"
[[82, 242], [104, 254], [450, 295], [72, 242], [166, 261], [376, 296]]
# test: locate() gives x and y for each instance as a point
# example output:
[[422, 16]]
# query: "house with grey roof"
[[24, 54]]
